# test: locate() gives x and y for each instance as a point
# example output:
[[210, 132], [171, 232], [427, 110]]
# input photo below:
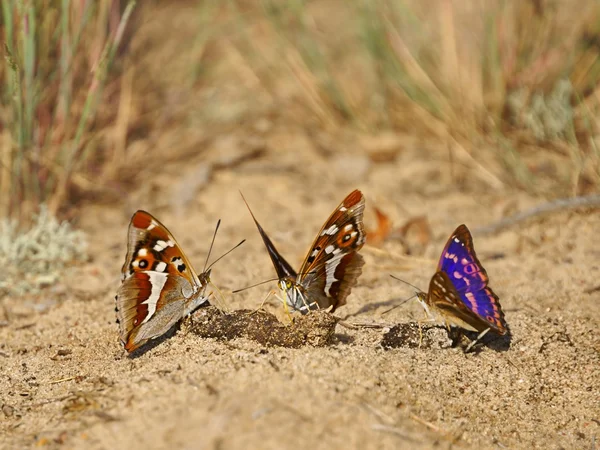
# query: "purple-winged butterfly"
[[459, 293]]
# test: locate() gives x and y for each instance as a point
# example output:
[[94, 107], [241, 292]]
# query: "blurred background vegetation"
[[96, 94]]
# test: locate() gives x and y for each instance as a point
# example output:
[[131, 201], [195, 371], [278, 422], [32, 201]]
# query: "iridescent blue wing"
[[460, 262], [466, 280]]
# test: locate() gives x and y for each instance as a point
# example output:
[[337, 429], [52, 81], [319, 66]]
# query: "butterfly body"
[[159, 286], [295, 295], [459, 293], [332, 266]]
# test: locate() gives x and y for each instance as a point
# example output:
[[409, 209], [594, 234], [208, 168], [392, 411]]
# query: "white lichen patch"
[[39, 256]]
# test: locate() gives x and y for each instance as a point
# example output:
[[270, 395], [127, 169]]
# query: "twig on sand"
[[427, 424], [386, 423], [358, 325], [62, 380], [52, 400], [383, 417], [444, 433], [589, 201], [393, 430], [592, 289]]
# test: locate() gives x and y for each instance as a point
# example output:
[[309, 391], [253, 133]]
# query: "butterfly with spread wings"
[[159, 285], [459, 291], [332, 266]]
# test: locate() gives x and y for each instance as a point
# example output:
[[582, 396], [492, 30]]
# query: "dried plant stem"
[[481, 171], [590, 201], [5, 165], [74, 152], [121, 125], [48, 48]]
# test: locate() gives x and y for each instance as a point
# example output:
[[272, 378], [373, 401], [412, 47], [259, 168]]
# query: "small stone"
[[8, 410]]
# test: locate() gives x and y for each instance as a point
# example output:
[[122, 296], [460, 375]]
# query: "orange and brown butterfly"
[[331, 267], [159, 285]]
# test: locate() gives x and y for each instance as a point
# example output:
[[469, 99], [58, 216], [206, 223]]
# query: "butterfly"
[[158, 284], [459, 291], [332, 266]]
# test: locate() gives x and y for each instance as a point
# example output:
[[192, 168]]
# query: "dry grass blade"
[[480, 170], [58, 56], [121, 125], [480, 76], [417, 74], [5, 177]]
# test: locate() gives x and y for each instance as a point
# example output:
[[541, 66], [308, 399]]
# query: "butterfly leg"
[[222, 304], [455, 334], [420, 323], [286, 308], [271, 292], [187, 322], [287, 300], [186, 325], [306, 308], [482, 334]]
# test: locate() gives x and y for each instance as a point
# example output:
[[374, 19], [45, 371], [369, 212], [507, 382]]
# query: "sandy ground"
[[65, 381]]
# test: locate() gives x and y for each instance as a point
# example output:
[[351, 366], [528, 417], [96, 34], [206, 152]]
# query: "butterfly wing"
[[332, 266], [151, 247], [150, 303], [159, 285], [461, 284], [282, 267]]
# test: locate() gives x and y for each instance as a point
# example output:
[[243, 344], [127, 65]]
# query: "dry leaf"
[[381, 233], [416, 229]]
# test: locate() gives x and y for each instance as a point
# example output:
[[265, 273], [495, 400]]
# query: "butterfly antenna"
[[312, 272], [402, 302], [406, 282], [211, 244], [254, 285], [248, 206], [225, 254]]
